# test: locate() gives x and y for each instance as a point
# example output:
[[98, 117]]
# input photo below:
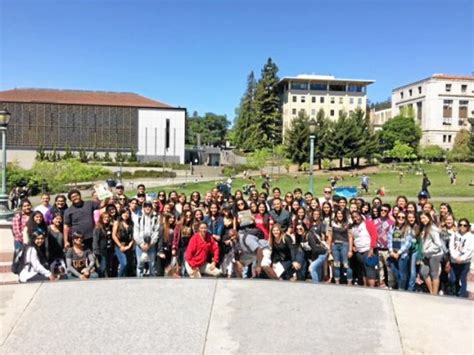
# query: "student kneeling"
[[80, 263], [198, 251]]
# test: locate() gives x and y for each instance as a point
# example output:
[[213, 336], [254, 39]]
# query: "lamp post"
[[5, 212], [312, 130]]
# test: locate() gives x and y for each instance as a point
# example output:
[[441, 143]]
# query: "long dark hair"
[[32, 226]]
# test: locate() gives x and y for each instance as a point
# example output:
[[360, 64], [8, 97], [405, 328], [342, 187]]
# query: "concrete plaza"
[[221, 316]]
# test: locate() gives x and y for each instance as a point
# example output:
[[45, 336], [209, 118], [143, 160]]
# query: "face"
[[79, 241], [141, 189], [119, 190], [411, 208], [353, 207], [357, 218], [300, 230], [424, 220], [198, 215], [298, 195], [261, 209], [182, 199], [39, 241], [301, 213], [463, 227], [295, 205], [147, 210], [214, 209], [449, 221], [375, 211], [123, 199], [208, 196], [401, 218], [427, 207], [276, 231], [202, 229], [411, 218], [60, 202], [125, 216], [240, 205], [365, 209], [26, 208], [106, 219], [162, 196], [173, 196], [443, 209], [277, 205], [45, 199], [339, 215], [384, 212], [276, 194], [167, 208], [377, 203], [253, 207], [342, 204], [75, 198], [253, 195], [422, 200], [402, 203], [57, 220], [327, 193], [314, 204], [308, 198], [289, 197], [316, 215], [172, 219], [38, 218], [326, 208]]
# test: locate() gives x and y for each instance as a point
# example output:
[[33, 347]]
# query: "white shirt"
[[32, 266]]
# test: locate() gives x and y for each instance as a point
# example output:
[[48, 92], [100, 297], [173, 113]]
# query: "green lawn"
[[386, 177]]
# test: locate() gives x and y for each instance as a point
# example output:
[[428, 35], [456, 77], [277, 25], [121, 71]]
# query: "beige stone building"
[[441, 104], [379, 117], [310, 93]]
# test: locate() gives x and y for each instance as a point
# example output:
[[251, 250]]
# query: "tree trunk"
[[352, 163], [358, 162], [319, 164], [341, 161]]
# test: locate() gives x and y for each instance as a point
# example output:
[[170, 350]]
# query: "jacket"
[[432, 244], [461, 246], [199, 250]]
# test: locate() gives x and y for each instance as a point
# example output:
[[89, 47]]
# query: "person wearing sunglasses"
[[461, 248], [399, 242]]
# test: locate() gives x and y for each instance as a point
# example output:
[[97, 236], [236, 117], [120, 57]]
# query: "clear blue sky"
[[197, 54]]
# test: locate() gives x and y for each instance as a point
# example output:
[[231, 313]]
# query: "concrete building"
[[93, 121], [310, 93], [379, 117], [441, 105]]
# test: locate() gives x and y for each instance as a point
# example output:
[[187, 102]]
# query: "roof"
[[438, 76], [312, 77], [80, 97]]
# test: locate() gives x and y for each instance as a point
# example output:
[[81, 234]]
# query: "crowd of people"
[[293, 236]]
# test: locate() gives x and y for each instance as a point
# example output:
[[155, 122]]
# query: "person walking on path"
[[424, 185]]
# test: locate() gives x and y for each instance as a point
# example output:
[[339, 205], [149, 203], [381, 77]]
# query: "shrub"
[[326, 164], [153, 174], [432, 152]]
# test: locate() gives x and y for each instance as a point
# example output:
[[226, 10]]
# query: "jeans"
[[458, 276], [412, 279], [123, 262], [92, 275], [339, 252], [316, 268], [151, 263], [399, 269]]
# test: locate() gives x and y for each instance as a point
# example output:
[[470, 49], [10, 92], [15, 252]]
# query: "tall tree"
[[364, 143], [320, 137], [340, 138], [297, 139], [402, 128], [460, 149], [245, 114], [266, 129]]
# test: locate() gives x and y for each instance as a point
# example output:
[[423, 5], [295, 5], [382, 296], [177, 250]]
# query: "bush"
[[432, 152], [153, 174], [237, 169], [326, 164]]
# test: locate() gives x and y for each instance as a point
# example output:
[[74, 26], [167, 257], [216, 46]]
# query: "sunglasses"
[[384, 210], [463, 225], [401, 217], [240, 204], [327, 192]]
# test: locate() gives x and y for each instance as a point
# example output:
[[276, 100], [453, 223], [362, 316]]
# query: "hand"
[[296, 265], [371, 252], [212, 266], [458, 260], [216, 237], [86, 273], [258, 270], [123, 248], [349, 254], [67, 245], [162, 255], [173, 252], [83, 277], [52, 277]]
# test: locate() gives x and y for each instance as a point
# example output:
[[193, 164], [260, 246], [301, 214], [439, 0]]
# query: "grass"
[[388, 177]]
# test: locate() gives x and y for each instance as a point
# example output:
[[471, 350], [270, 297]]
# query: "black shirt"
[[80, 218]]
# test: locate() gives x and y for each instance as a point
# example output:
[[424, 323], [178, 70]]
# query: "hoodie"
[[461, 246]]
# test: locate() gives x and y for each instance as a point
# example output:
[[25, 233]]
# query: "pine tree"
[[340, 138], [266, 129], [320, 137], [297, 139], [245, 113]]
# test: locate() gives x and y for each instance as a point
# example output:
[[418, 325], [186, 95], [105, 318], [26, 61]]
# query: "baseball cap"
[[422, 194], [148, 204], [119, 185]]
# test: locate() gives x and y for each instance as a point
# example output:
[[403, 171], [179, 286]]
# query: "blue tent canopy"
[[346, 191]]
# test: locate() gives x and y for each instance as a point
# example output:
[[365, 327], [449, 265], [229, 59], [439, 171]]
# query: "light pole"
[[312, 130], [5, 212]]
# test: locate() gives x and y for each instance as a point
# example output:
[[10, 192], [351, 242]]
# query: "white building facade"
[[310, 93], [441, 105]]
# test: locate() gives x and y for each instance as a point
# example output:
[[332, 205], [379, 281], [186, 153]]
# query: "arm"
[[16, 227], [115, 234], [137, 233], [390, 239], [373, 233], [160, 241], [66, 235], [95, 241], [176, 238], [190, 251], [91, 263], [468, 250], [215, 251], [406, 245], [437, 240], [36, 265]]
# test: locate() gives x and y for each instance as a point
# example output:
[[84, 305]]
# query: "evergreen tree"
[[297, 139], [245, 113], [340, 136], [320, 137], [266, 129], [364, 142]]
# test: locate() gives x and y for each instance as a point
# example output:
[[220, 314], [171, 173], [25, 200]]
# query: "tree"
[[340, 137], [266, 129], [320, 137], [432, 152], [363, 143], [460, 149], [211, 127], [402, 151], [297, 139], [402, 128], [471, 140], [382, 105], [259, 158], [245, 113]]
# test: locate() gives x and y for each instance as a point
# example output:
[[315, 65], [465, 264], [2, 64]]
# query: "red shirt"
[[198, 250], [262, 222]]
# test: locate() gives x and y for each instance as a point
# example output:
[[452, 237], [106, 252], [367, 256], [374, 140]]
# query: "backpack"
[[19, 260]]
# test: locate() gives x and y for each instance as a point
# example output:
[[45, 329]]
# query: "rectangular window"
[[463, 108], [303, 99], [313, 99], [167, 134], [410, 92], [293, 111], [337, 87], [333, 100], [448, 87], [359, 101], [447, 111], [294, 99], [299, 86], [351, 100], [444, 138], [321, 100], [401, 95], [419, 111], [449, 139], [332, 113], [463, 88], [419, 89], [318, 87], [355, 88], [341, 100]]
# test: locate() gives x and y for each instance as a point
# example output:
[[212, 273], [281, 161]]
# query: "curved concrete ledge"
[[221, 316]]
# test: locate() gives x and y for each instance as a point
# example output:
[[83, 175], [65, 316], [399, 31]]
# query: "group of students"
[[296, 236]]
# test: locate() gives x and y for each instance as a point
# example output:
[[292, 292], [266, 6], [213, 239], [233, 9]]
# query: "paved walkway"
[[210, 316]]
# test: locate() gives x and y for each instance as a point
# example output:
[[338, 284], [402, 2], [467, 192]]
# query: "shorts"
[[370, 272]]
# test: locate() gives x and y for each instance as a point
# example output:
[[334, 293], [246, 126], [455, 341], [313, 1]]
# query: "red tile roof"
[[80, 97], [453, 77]]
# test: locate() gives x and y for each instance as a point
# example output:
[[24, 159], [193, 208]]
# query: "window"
[[340, 113], [318, 86], [313, 111], [444, 138], [447, 111], [294, 99], [448, 87], [341, 100], [337, 87], [299, 86], [419, 111], [410, 92], [303, 99], [463, 108], [332, 113], [313, 99], [401, 95], [333, 100], [293, 111], [359, 101], [419, 89], [355, 88], [321, 100], [351, 100], [463, 88], [167, 134], [449, 138]]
